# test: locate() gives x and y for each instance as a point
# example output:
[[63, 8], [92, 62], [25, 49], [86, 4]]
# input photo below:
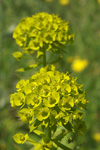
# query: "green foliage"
[[79, 14]]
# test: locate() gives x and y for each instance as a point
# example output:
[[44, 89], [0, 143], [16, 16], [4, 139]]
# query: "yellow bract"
[[17, 99], [20, 138], [42, 113], [26, 115], [52, 100], [21, 83], [17, 55]]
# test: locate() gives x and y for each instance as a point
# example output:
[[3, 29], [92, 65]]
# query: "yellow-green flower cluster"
[[42, 31], [50, 97]]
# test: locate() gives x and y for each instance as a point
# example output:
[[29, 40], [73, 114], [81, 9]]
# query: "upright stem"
[[49, 133], [44, 58], [63, 147]]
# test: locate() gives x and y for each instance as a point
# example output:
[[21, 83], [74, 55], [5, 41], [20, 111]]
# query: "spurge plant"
[[49, 99]]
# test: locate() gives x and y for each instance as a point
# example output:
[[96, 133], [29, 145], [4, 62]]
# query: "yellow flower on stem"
[[26, 115], [78, 64]]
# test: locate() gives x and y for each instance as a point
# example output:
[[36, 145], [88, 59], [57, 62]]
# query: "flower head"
[[41, 31], [50, 95]]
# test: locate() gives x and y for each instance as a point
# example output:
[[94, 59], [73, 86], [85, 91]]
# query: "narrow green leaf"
[[61, 145], [61, 135], [33, 142]]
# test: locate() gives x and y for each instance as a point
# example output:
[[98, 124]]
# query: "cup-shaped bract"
[[20, 138]]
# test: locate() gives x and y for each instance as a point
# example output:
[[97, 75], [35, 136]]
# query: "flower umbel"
[[49, 91], [41, 31]]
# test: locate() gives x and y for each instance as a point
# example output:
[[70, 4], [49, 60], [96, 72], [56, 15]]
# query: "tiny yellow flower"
[[43, 113], [26, 115], [33, 99], [66, 103], [64, 2], [96, 137], [21, 84], [79, 65], [52, 100], [17, 99], [18, 55]]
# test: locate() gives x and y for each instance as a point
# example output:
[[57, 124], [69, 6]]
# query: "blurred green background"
[[84, 19]]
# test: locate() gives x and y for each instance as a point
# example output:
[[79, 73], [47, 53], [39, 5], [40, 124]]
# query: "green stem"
[[49, 133], [63, 147], [47, 137], [44, 58]]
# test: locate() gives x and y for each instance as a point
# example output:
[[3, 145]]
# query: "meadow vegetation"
[[83, 17]]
